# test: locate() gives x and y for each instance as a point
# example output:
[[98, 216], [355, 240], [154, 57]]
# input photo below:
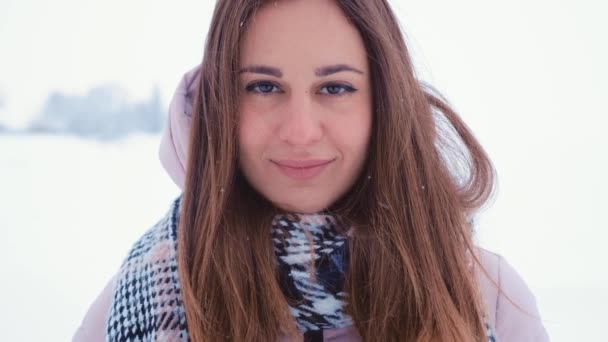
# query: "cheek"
[[246, 135], [354, 133], [253, 134]]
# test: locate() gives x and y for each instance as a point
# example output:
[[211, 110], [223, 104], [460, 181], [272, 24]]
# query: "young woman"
[[327, 196]]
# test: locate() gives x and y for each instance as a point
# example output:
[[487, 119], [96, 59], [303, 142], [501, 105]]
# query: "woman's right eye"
[[263, 88]]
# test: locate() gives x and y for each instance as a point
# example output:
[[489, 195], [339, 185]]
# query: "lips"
[[302, 169], [302, 163]]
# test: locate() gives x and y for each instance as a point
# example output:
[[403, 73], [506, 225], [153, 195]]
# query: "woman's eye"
[[262, 88], [337, 89], [266, 88]]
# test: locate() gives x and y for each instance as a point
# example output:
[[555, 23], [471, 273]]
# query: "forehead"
[[285, 33]]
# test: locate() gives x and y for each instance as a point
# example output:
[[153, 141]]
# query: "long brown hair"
[[409, 277]]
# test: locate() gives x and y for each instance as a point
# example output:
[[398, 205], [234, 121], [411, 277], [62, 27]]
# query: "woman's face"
[[305, 108]]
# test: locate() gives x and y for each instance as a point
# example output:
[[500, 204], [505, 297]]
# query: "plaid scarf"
[[147, 303], [317, 303]]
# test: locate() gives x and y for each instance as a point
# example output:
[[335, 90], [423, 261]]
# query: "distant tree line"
[[103, 113]]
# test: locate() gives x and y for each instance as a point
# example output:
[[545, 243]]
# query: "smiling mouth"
[[302, 169]]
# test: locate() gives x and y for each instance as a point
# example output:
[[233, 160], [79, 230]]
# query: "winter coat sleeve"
[[93, 326], [511, 305]]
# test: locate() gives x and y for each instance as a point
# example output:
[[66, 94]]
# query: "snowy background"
[[84, 87]]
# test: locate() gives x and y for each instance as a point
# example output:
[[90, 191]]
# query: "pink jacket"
[[509, 322]]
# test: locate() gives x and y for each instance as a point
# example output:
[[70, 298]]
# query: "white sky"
[[72, 45], [479, 52], [529, 77]]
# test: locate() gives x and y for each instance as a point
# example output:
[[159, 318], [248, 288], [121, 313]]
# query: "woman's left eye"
[[337, 89], [262, 88]]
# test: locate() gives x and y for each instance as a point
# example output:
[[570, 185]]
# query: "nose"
[[301, 124]]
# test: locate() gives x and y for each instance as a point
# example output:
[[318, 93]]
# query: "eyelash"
[[254, 88]]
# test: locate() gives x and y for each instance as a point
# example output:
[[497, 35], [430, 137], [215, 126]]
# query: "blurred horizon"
[[105, 112]]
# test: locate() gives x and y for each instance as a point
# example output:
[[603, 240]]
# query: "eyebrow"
[[320, 72], [332, 69], [262, 69]]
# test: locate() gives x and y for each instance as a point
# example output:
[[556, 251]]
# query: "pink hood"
[[174, 143]]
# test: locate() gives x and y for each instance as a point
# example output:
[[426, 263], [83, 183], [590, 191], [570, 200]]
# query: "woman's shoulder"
[[93, 325], [150, 264], [510, 304]]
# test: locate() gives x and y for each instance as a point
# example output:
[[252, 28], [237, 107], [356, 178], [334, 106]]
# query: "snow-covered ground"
[[70, 209]]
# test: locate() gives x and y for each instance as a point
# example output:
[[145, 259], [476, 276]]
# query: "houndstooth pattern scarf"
[[317, 302], [147, 303]]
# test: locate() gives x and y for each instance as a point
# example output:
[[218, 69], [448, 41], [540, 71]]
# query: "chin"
[[302, 207]]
